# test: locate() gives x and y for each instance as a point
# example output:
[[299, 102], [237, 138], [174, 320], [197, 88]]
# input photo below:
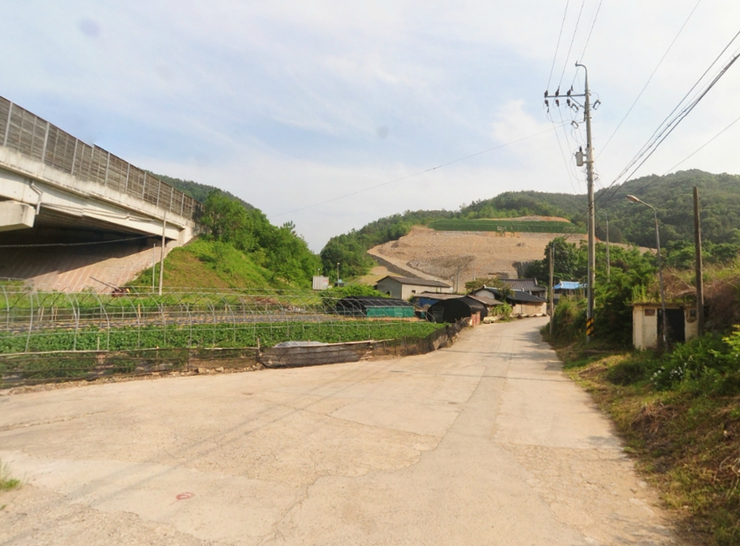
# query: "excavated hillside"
[[456, 257]]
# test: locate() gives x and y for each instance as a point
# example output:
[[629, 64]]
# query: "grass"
[[209, 264], [6, 482], [686, 439]]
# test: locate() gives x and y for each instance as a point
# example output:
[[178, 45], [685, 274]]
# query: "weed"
[[6, 482]]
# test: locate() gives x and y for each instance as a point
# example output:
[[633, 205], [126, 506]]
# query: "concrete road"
[[484, 443]]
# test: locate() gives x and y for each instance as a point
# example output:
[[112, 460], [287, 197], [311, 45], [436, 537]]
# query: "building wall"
[[405, 291], [529, 309], [645, 326], [390, 287]]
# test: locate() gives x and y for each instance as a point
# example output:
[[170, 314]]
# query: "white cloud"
[[289, 104]]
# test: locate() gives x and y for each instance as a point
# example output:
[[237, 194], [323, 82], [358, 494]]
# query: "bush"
[[569, 321], [706, 364]]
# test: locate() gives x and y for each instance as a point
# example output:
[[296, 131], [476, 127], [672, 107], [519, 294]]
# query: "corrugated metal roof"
[[486, 298], [418, 282], [529, 285], [517, 296], [436, 296], [568, 285]]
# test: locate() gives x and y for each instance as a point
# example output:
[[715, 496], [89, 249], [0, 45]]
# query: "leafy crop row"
[[209, 335]]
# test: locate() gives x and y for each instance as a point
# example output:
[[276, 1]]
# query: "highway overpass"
[[62, 197]]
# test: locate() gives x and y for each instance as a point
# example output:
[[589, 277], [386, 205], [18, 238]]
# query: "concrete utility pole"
[[552, 296], [591, 212], [589, 161], [698, 264]]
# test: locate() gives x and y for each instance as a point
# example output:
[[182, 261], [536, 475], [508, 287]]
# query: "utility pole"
[[698, 264], [589, 161], [552, 296]]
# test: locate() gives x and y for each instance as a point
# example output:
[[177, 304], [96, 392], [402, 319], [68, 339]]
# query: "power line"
[[665, 130], [700, 148], [588, 38], [650, 78], [566, 163], [395, 180], [661, 129], [557, 47], [570, 48]]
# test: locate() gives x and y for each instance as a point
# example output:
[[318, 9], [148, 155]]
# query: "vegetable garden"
[[63, 335]]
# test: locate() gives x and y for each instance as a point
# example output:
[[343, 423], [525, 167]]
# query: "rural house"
[[523, 304], [406, 287]]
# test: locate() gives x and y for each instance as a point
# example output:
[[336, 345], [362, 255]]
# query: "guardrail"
[[36, 138]]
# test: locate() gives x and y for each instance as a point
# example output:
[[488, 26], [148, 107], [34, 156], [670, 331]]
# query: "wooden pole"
[[698, 264]]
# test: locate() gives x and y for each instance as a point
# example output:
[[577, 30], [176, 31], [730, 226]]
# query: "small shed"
[[370, 307], [451, 310], [405, 287], [647, 324]]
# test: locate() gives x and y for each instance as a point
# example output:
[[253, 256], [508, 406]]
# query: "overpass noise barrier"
[[36, 138]]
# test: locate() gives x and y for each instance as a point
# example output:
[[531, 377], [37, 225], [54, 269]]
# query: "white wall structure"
[[405, 287], [645, 334]]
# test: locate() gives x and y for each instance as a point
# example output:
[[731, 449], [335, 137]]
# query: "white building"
[[406, 287], [647, 320]]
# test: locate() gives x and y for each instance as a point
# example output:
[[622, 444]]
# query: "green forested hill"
[[672, 196], [198, 191], [239, 247], [629, 222], [528, 203]]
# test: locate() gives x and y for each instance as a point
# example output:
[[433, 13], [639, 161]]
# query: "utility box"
[[648, 323], [320, 282]]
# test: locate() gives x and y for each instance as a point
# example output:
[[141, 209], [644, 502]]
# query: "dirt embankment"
[[461, 256]]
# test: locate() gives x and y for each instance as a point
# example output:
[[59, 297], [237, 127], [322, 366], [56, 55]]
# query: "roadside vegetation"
[[7, 482], [678, 411]]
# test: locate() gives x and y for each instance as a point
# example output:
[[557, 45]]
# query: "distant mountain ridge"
[[629, 222]]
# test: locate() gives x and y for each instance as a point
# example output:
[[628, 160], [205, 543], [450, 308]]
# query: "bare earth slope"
[[464, 255]]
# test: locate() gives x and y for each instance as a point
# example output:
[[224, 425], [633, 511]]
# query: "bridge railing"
[[36, 138]]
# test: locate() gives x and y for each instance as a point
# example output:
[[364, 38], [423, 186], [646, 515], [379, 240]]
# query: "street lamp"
[[337, 273], [660, 267]]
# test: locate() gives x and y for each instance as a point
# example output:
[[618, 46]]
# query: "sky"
[[333, 114]]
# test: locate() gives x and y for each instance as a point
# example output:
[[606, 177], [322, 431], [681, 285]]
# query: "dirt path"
[[486, 442]]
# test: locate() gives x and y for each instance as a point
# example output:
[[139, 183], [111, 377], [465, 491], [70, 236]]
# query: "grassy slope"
[[205, 264]]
